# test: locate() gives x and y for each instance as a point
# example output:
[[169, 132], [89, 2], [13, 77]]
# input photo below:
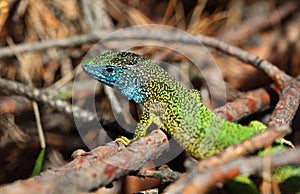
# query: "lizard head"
[[122, 70]]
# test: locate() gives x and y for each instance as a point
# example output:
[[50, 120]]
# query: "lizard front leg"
[[144, 123], [154, 112], [142, 126]]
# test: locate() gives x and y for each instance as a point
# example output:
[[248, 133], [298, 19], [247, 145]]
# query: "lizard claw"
[[123, 142], [286, 142]]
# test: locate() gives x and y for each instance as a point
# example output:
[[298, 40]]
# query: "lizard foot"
[[123, 142], [285, 142]]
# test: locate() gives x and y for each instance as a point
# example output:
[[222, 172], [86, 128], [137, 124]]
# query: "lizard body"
[[175, 109]]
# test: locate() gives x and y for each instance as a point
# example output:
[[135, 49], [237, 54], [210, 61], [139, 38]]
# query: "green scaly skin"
[[175, 109]]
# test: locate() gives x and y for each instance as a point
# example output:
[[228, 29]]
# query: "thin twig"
[[44, 97], [62, 42], [278, 76], [39, 124]]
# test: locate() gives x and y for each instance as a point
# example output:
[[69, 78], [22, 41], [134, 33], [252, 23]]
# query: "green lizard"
[[175, 109]]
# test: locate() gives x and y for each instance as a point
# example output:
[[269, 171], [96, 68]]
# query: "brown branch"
[[44, 97], [89, 171], [202, 182], [287, 106], [61, 42], [278, 76], [246, 104]]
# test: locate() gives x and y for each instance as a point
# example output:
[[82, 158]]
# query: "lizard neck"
[[137, 93]]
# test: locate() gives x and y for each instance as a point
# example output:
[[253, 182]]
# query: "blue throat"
[[132, 92]]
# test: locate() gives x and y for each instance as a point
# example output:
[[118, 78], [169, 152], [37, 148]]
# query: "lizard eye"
[[109, 69]]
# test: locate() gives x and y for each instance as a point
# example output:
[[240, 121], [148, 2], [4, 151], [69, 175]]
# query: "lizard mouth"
[[98, 73]]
